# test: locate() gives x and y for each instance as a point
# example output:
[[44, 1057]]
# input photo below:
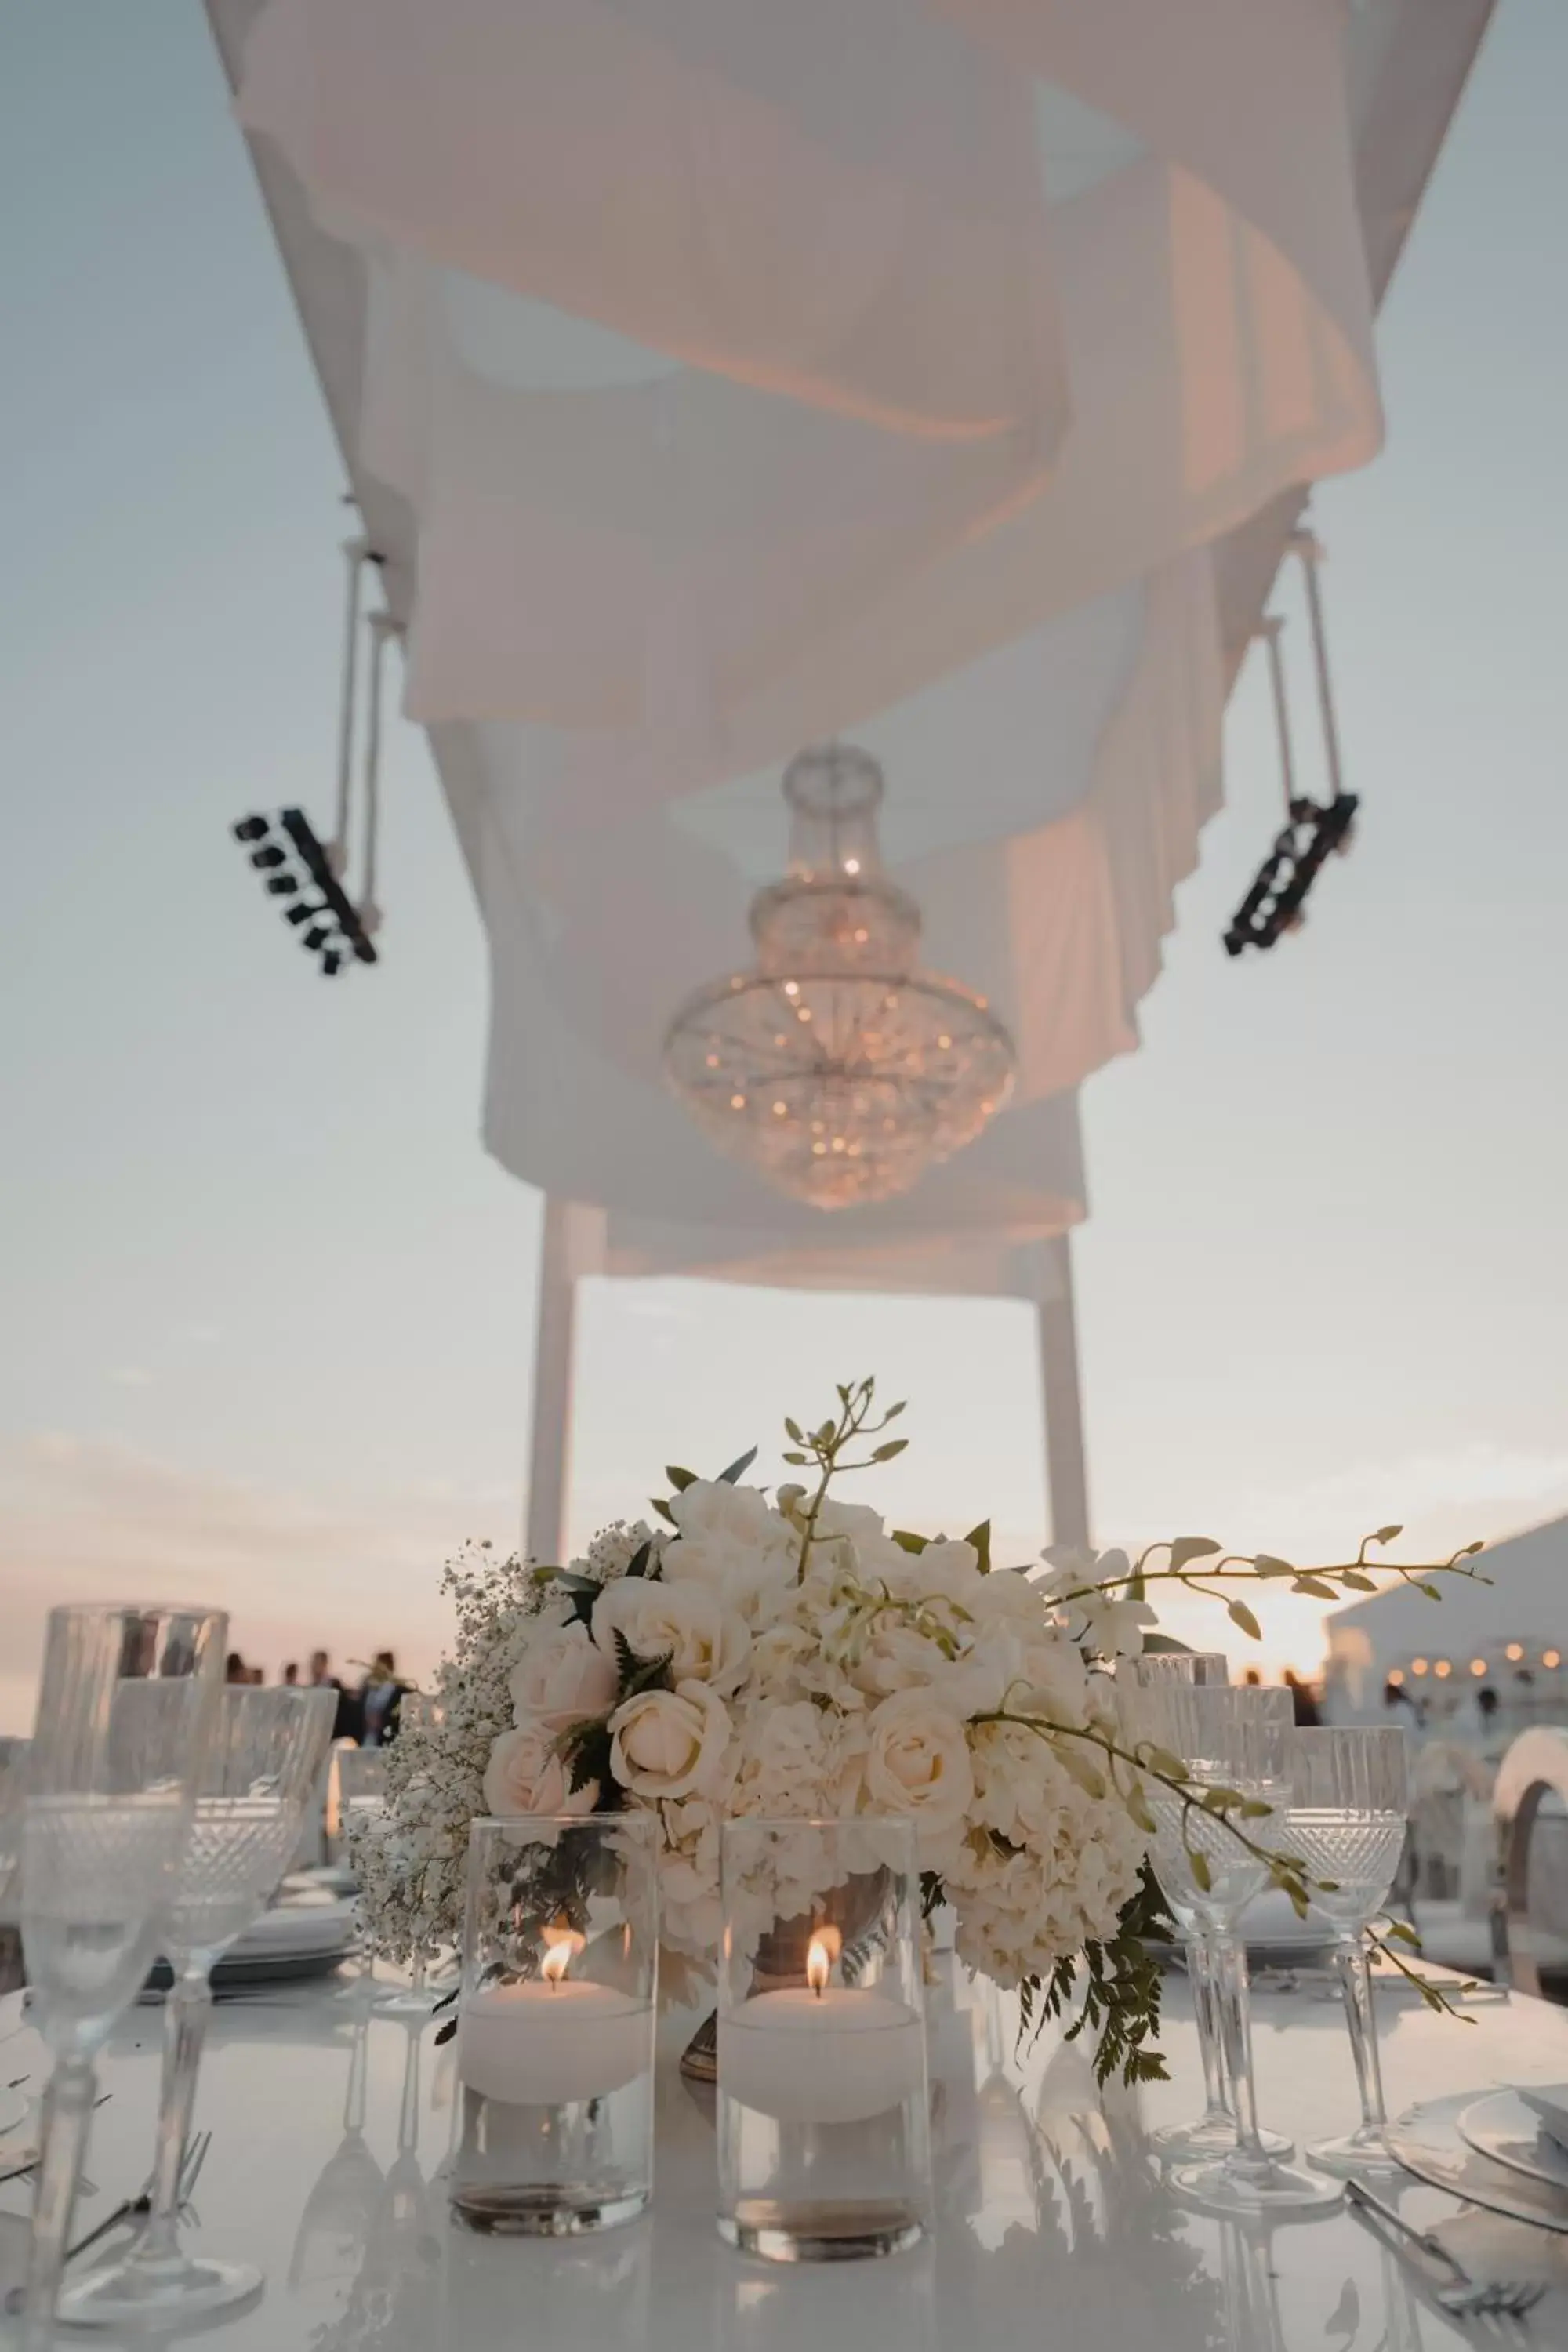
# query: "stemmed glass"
[[362, 1797], [1215, 2131], [260, 1771], [127, 1705], [1233, 1739], [1349, 1807], [13, 1783]]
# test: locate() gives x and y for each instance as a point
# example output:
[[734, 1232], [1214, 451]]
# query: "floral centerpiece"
[[791, 1656]]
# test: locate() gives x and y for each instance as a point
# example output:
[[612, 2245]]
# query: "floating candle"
[[821, 2054], [552, 2039]]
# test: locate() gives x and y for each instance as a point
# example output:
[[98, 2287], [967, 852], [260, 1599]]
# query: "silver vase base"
[[554, 2211], [823, 2232]]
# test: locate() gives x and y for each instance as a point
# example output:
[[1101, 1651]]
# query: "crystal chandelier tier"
[[836, 1067]]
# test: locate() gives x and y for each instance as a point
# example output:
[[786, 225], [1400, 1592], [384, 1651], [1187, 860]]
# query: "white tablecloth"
[[1053, 2229]]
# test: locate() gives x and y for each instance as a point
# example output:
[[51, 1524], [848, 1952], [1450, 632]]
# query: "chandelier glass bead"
[[837, 1067]]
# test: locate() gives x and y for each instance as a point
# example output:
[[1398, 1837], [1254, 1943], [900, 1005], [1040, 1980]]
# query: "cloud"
[[93, 1518]]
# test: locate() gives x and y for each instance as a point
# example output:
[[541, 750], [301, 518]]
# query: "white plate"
[[1428, 2142], [1504, 2128]]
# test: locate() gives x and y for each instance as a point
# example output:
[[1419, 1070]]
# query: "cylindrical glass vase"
[[553, 2116], [824, 2128]]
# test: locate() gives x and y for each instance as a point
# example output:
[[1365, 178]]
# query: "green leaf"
[[1469, 1550], [1386, 1534], [1240, 1614], [1267, 1565], [1138, 1807], [663, 1509], [1355, 1581], [738, 1468], [1191, 1548], [1399, 1931], [886, 1452], [1203, 1876], [980, 1538], [1430, 1590], [639, 1674], [1161, 1760], [893, 1412], [638, 1562], [907, 1541], [796, 1459], [1314, 1589], [793, 1430]]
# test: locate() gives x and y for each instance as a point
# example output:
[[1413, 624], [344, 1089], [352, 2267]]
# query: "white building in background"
[[1508, 1636]]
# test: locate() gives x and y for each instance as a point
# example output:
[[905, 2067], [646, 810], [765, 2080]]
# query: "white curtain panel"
[[762, 371], [748, 366]]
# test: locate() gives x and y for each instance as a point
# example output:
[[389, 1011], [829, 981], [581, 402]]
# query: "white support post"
[[1066, 1478], [571, 1246]]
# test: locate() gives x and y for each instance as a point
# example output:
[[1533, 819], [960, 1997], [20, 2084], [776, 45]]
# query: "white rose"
[[730, 1538], [917, 1762], [689, 1624], [670, 1743], [562, 1678], [525, 1775]]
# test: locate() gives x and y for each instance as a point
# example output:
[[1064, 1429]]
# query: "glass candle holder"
[[553, 2116], [824, 2127]]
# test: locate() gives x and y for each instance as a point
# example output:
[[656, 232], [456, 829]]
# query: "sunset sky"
[[269, 1308]]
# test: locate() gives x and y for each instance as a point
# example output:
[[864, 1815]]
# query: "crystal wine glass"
[[127, 1705], [1348, 1809], [362, 1797], [361, 1789], [1215, 2131], [1228, 1739], [261, 1770], [13, 1789]]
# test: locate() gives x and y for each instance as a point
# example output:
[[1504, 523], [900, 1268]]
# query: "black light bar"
[[336, 931], [1273, 905]]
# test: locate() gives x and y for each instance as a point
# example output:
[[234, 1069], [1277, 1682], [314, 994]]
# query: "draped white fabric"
[[756, 373]]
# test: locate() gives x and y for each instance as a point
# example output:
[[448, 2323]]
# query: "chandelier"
[[834, 1068]]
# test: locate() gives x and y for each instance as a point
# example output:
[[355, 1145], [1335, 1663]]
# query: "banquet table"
[[1054, 2227]]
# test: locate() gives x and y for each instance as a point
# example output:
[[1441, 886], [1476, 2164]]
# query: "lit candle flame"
[[562, 1946], [825, 1946]]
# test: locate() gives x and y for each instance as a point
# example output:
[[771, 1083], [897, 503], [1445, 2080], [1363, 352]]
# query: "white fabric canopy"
[[756, 373]]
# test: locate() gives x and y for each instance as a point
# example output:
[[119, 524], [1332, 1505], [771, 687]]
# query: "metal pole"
[[550, 1466], [1067, 1475]]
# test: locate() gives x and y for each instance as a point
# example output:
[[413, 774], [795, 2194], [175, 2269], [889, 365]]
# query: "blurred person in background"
[[381, 1701], [347, 1723]]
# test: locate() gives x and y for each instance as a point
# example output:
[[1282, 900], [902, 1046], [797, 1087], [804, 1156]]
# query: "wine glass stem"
[[185, 2015], [1200, 1972], [1233, 2013], [1355, 1979], [62, 2142]]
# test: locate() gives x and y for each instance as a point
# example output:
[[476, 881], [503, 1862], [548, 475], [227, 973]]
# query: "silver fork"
[[137, 2208], [1451, 2285]]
